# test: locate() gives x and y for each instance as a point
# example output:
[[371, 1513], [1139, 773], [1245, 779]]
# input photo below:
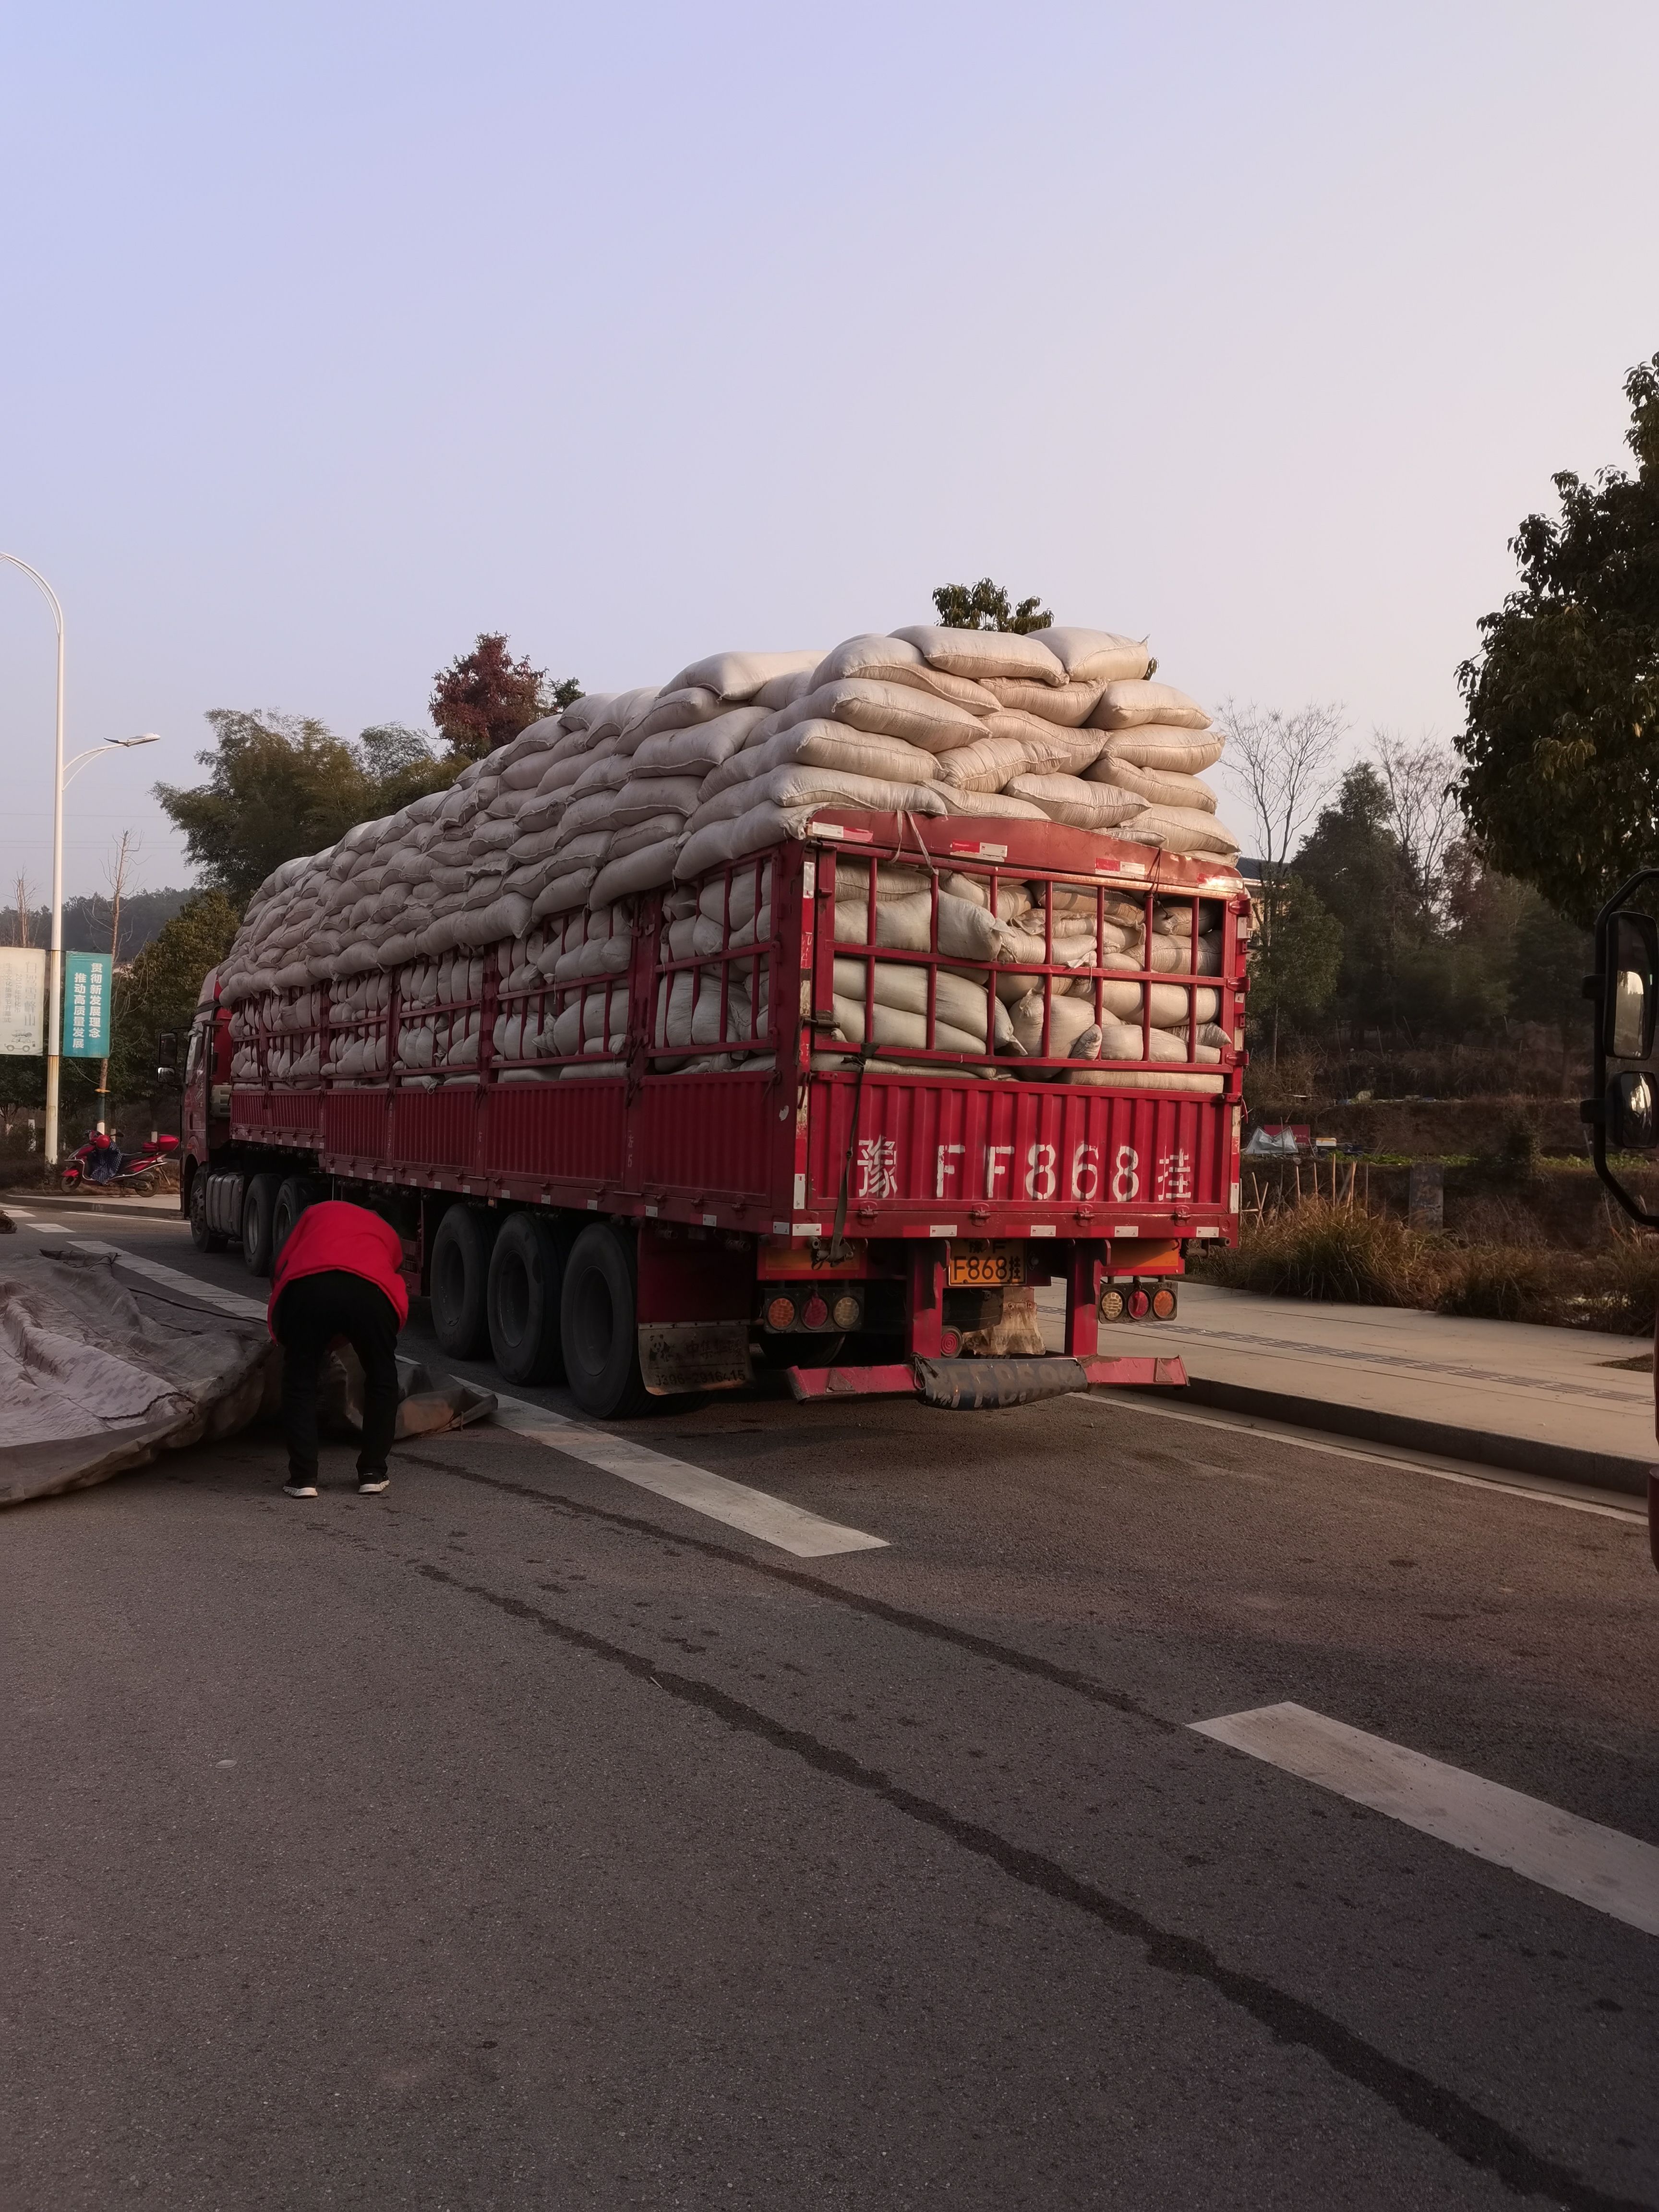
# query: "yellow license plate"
[[985, 1266]]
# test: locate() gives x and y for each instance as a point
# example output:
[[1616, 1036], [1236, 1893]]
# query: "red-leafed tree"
[[485, 697]]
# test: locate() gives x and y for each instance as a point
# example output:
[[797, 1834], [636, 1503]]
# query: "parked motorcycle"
[[97, 1166]]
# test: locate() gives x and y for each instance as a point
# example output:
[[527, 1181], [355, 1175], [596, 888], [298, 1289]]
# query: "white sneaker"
[[371, 1486], [295, 1487]]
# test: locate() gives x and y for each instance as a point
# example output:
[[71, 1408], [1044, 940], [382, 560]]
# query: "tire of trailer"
[[460, 1279], [292, 1200], [204, 1238], [598, 1325], [259, 1219], [526, 1275]]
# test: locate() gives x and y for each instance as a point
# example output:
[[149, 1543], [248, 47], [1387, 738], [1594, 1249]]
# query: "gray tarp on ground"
[[102, 1372]]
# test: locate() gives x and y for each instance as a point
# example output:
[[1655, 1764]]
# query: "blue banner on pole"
[[88, 978]]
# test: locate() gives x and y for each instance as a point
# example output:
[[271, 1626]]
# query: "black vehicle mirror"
[[167, 1052], [1631, 966], [1632, 1115]]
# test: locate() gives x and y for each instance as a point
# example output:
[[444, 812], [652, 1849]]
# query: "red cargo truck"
[[645, 1166]]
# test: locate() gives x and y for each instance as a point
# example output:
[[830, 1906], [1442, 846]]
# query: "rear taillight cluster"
[[813, 1310], [1138, 1302]]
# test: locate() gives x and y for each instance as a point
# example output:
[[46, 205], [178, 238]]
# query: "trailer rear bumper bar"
[[974, 1385]]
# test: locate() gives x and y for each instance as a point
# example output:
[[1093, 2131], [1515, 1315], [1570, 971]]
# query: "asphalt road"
[[522, 1839]]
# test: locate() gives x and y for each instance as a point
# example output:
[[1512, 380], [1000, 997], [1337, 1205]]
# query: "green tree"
[[485, 697], [158, 991], [1352, 857], [1296, 959], [984, 606], [1561, 747], [280, 785]]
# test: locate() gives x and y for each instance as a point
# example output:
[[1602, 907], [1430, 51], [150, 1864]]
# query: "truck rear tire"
[[204, 1238], [598, 1325], [259, 1220], [526, 1275], [460, 1276], [292, 1200]]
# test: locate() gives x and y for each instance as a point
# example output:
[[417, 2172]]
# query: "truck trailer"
[[823, 1110]]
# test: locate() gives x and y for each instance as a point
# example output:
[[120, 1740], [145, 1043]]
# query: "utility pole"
[[118, 880]]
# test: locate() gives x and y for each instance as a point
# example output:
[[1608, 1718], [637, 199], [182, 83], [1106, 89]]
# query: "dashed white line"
[[1617, 1874], [774, 1519]]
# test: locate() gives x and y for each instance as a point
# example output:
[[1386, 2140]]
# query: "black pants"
[[311, 1314]]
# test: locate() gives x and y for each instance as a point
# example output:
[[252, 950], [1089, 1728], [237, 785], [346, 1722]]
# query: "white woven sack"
[[736, 677], [565, 891], [582, 713], [966, 931], [644, 797], [1082, 806], [1188, 1080], [1185, 830], [784, 690], [977, 654], [996, 805], [801, 785], [673, 710], [1097, 655], [834, 745], [1122, 705], [696, 750], [1068, 704], [892, 710], [1161, 745], [646, 870], [959, 998], [1051, 750], [884, 659], [892, 1025], [1159, 787], [763, 824]]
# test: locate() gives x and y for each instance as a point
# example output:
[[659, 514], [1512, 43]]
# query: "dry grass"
[[1319, 1250]]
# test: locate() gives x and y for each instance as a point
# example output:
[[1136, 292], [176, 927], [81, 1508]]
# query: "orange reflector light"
[[1163, 1304], [780, 1313]]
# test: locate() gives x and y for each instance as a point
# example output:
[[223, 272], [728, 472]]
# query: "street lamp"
[[55, 965], [72, 767]]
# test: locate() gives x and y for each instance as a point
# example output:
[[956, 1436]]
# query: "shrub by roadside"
[[1319, 1250]]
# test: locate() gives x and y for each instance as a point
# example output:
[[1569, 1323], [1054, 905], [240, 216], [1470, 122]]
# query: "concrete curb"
[[1486, 1447], [129, 1209]]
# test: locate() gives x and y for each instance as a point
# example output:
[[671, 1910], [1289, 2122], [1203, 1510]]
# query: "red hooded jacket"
[[332, 1234]]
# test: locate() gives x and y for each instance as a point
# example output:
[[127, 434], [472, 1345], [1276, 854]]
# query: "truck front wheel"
[[460, 1274], [526, 1271], [598, 1325]]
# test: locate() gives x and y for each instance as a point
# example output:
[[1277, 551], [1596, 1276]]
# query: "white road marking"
[[34, 1222], [209, 1294], [1517, 1486], [1616, 1874], [790, 1528]]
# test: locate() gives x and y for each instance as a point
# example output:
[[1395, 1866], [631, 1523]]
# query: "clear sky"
[[330, 335]]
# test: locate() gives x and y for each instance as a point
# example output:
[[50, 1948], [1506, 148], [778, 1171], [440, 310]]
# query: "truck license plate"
[[985, 1266]]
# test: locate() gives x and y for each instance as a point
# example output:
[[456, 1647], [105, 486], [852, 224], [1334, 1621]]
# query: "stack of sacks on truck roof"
[[539, 844]]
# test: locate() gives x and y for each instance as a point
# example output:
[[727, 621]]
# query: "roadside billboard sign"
[[88, 977], [23, 1002]]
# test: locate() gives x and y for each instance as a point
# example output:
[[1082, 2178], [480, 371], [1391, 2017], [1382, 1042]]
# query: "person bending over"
[[340, 1274]]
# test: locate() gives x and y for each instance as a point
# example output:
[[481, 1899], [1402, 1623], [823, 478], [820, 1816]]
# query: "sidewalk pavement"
[[164, 1205], [1560, 1403]]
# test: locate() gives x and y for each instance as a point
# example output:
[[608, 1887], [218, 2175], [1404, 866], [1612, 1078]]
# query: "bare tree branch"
[[1284, 762], [1419, 781]]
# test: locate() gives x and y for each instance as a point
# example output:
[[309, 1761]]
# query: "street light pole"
[[55, 965]]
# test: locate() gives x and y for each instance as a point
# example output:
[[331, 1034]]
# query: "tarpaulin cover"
[[101, 1371]]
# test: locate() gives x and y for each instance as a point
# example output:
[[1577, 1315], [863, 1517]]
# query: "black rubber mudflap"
[[965, 1386]]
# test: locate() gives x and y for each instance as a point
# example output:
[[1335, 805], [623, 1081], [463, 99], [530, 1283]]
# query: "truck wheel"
[[526, 1273], [204, 1238], [259, 1214], [292, 1200], [460, 1274], [599, 1326]]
